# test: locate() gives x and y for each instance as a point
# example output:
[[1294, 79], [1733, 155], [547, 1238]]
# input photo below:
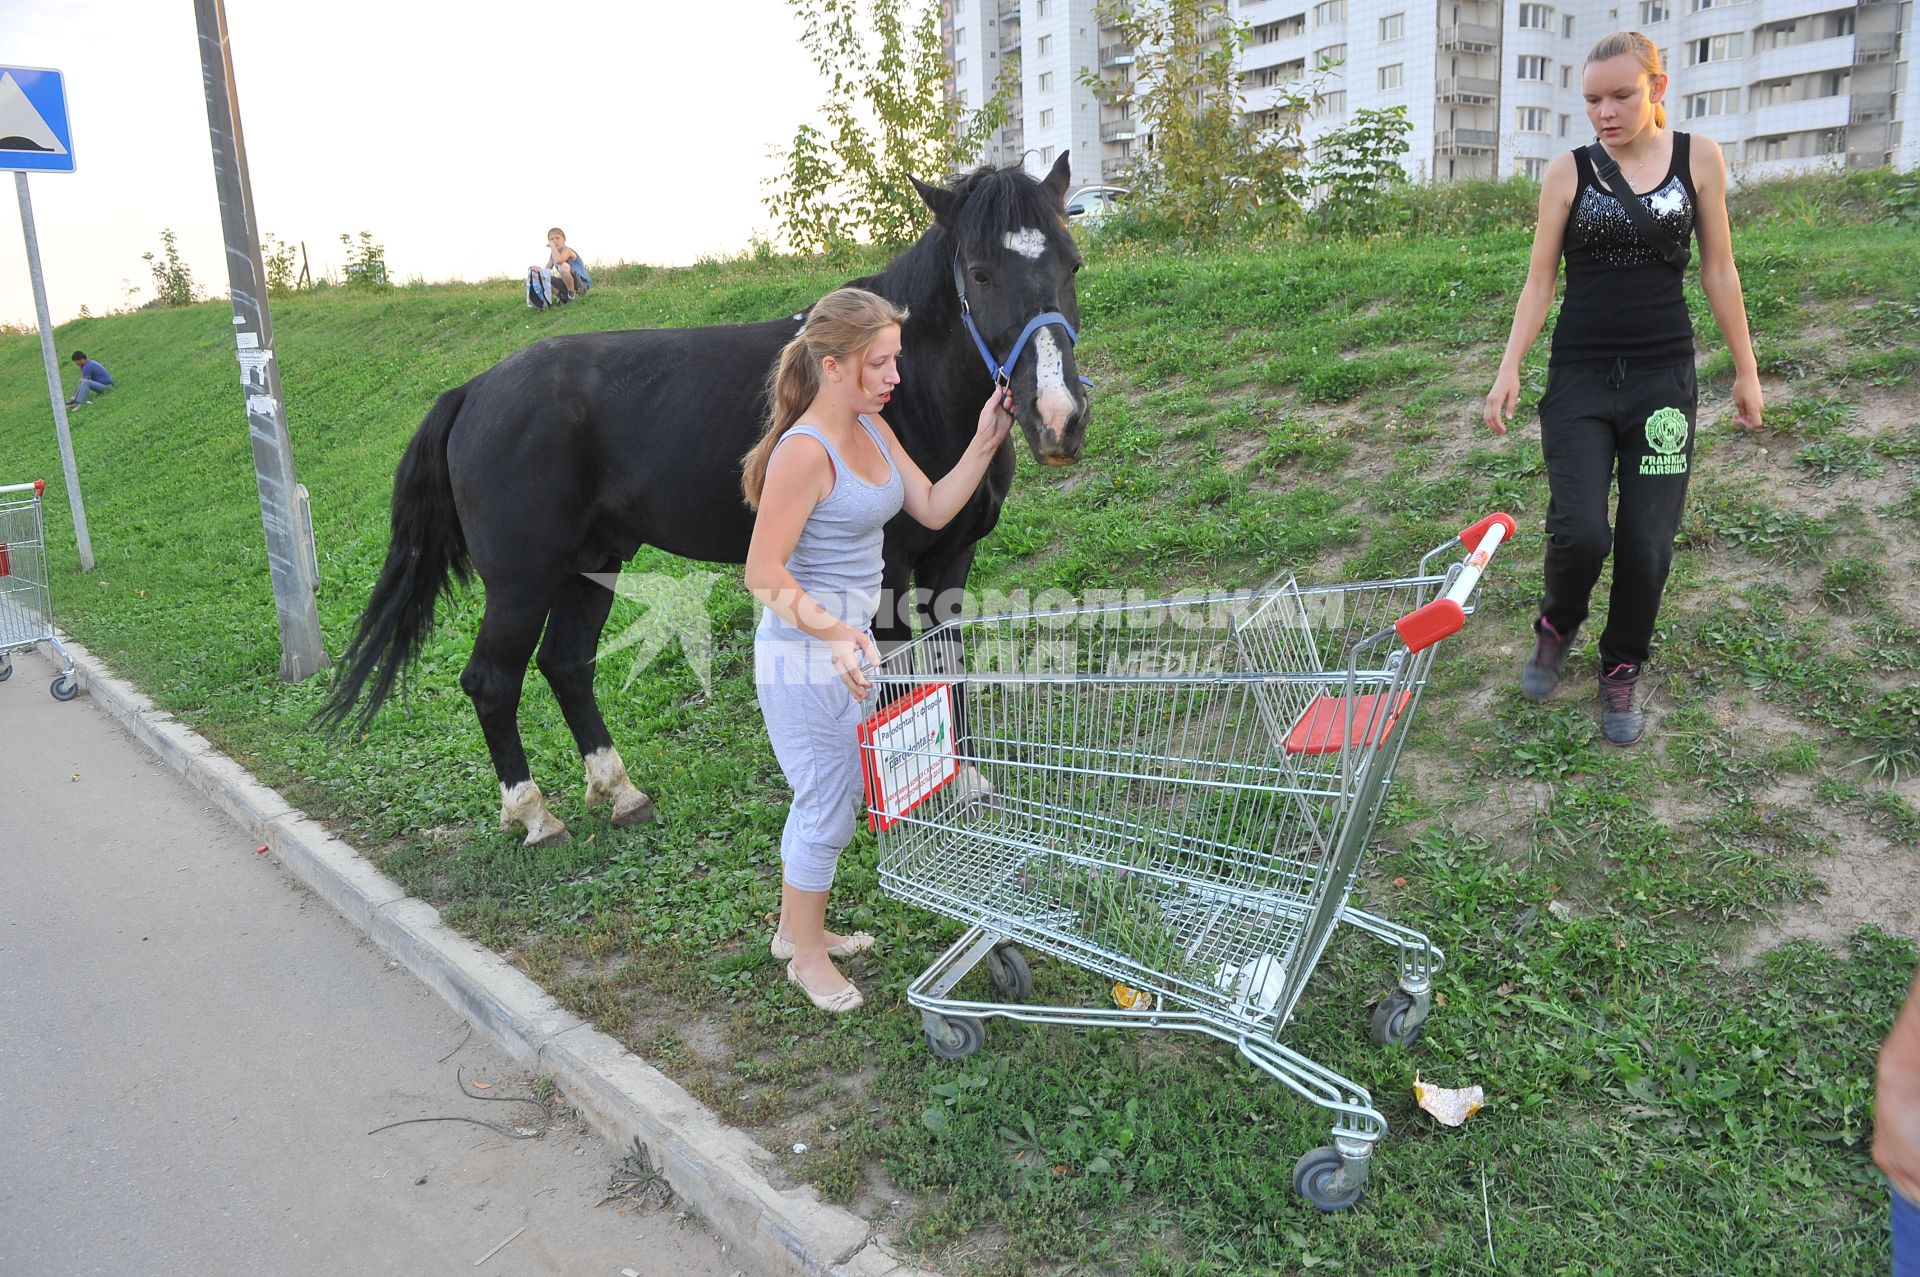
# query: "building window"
[[1334, 103], [1536, 17], [1566, 123], [1046, 45], [959, 35], [1836, 84], [1043, 8], [1532, 67], [1695, 6], [1718, 102], [1393, 27], [1390, 76], [1652, 11], [1531, 119], [1046, 155], [1566, 27], [1046, 81], [959, 7], [1842, 23], [1329, 11], [1717, 48], [962, 95], [1046, 118], [960, 67], [1332, 55], [1566, 77], [1534, 168]]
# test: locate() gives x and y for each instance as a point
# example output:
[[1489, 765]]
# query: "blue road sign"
[[35, 133]]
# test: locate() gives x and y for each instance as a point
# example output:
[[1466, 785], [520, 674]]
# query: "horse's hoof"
[[551, 838], [640, 813]]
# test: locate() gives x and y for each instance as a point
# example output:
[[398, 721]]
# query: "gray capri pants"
[[811, 719]]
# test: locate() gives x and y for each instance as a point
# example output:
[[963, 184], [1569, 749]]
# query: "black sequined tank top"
[[1622, 300]]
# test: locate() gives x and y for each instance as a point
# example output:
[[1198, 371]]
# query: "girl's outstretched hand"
[[996, 418], [847, 659]]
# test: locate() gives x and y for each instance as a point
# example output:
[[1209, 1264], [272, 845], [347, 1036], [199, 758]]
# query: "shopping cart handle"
[[1427, 625], [1424, 626]]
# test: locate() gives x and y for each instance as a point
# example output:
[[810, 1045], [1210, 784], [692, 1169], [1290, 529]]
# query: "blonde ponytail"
[[1642, 48], [841, 325]]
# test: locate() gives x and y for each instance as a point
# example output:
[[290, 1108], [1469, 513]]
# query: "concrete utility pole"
[[289, 535], [81, 540]]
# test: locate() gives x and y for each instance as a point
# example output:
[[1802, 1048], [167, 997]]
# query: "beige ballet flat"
[[846, 1000], [859, 942]]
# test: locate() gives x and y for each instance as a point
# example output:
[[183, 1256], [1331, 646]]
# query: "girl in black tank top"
[[1621, 399]]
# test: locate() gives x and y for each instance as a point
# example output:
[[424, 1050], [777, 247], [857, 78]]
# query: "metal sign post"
[[301, 650], [38, 137]]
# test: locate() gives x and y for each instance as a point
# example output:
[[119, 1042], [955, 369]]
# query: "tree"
[[1359, 165], [172, 280], [1207, 162], [887, 117]]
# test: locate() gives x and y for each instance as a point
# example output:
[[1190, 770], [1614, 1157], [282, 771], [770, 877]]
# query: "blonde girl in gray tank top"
[[825, 477]]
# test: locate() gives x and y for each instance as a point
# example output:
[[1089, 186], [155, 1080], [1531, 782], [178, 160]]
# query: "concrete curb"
[[713, 1167]]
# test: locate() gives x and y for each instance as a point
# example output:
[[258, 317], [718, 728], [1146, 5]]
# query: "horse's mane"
[[991, 201]]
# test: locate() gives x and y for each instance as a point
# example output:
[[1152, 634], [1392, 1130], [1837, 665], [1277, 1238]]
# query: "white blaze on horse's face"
[[1029, 243], [1050, 392]]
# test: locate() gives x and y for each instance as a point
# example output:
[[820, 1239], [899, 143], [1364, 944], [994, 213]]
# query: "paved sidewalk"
[[193, 1050]]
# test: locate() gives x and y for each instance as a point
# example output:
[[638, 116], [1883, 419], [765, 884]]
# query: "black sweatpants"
[[1596, 419]]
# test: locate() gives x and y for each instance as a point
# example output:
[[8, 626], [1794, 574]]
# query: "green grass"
[[1655, 1105]]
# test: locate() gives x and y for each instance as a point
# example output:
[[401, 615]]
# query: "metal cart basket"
[[26, 616], [1172, 795]]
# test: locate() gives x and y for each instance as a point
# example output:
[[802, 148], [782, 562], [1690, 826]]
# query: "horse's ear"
[[1058, 178], [937, 198]]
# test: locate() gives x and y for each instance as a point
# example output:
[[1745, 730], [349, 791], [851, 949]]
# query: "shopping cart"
[[1172, 795], [25, 615]]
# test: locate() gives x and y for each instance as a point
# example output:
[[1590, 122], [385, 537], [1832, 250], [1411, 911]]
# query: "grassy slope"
[[1654, 1107]]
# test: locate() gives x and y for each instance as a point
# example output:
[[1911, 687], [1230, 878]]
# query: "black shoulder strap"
[[1676, 255]]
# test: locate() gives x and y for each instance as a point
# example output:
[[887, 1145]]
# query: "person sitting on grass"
[[569, 273], [94, 379]]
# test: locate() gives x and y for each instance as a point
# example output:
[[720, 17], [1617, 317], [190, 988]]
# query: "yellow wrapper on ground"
[[1449, 1107]]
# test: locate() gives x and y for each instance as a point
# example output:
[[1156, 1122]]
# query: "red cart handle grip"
[[1428, 624]]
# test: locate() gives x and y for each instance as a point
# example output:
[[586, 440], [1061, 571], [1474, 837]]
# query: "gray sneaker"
[[1621, 721], [1542, 672]]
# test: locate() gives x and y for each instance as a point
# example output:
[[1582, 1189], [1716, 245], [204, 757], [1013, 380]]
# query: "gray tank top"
[[837, 559]]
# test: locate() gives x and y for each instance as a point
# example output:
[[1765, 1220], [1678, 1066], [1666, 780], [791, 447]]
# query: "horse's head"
[[1013, 267]]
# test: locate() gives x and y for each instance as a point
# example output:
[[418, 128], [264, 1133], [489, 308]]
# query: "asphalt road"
[[194, 1049]]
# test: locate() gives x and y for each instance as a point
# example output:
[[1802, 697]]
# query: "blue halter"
[[1002, 374]]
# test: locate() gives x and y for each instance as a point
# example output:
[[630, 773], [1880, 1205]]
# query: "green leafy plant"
[[281, 262], [172, 279], [366, 262], [886, 116], [1356, 167], [1211, 164]]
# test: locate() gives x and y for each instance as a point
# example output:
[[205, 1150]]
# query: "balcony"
[[1009, 36], [1876, 46], [1009, 10], [1116, 55], [1118, 130], [1467, 89], [1464, 142], [1469, 37], [1807, 115], [1830, 54], [1871, 108]]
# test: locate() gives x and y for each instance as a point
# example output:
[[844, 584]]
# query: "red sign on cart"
[[907, 753]]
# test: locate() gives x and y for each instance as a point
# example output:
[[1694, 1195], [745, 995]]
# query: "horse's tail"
[[428, 548]]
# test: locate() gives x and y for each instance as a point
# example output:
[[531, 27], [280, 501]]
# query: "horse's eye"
[[980, 276], [1077, 266]]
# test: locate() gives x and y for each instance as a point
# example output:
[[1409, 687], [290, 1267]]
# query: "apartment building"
[[1491, 87]]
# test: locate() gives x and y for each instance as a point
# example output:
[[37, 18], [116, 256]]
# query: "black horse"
[[564, 459]]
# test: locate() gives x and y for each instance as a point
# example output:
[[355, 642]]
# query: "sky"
[[455, 133]]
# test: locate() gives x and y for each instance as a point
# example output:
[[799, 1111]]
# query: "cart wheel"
[[1400, 1017], [1317, 1177], [6, 668], [953, 1037], [1010, 972], [65, 687]]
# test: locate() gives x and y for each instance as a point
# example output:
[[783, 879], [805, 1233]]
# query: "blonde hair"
[[842, 324], [1642, 48], [555, 230]]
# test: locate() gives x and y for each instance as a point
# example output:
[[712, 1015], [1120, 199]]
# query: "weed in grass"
[[1761, 529], [1813, 417], [1890, 731], [1852, 582], [1840, 457], [1899, 818]]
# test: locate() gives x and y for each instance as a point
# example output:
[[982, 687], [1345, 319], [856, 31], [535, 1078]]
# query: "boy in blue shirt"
[[94, 379]]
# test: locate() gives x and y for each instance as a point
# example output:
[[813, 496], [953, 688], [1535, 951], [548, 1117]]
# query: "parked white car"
[[1090, 204]]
